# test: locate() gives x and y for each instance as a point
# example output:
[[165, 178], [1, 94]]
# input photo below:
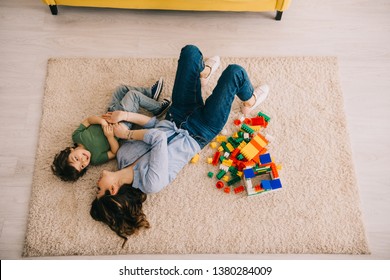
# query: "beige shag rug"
[[316, 212]]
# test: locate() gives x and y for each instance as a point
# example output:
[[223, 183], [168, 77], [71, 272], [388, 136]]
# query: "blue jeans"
[[130, 99], [204, 120]]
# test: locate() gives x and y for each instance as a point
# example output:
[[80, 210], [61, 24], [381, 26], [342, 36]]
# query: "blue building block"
[[265, 158], [266, 185], [249, 173], [276, 184]]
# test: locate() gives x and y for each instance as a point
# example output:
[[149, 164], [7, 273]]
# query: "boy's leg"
[[206, 122], [134, 99], [130, 99], [186, 94], [117, 96]]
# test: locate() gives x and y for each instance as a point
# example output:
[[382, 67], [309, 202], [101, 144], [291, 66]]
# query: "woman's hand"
[[115, 117], [120, 131]]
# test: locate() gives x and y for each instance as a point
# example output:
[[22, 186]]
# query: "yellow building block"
[[213, 145], [230, 147], [195, 158], [242, 145], [260, 140], [249, 151], [221, 138], [256, 127], [227, 162]]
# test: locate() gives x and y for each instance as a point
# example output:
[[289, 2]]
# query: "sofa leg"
[[278, 15], [53, 9]]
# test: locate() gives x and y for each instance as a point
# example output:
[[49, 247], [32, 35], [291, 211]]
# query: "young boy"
[[94, 139]]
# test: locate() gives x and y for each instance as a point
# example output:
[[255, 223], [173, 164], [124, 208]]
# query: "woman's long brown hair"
[[121, 212]]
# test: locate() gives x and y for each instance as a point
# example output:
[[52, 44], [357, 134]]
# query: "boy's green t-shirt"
[[94, 140]]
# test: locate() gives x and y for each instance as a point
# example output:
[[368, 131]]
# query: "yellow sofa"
[[186, 5]]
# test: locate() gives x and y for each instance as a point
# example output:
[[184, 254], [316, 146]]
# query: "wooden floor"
[[356, 31]]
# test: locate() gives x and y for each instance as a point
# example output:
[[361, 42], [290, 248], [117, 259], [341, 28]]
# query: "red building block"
[[239, 189], [220, 185], [216, 158], [258, 188]]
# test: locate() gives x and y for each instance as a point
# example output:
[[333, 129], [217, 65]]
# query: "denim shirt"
[[159, 162]]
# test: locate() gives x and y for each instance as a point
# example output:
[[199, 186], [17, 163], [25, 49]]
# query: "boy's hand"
[[103, 122], [115, 117], [108, 130]]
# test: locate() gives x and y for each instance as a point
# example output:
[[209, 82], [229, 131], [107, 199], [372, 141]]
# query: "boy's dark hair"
[[62, 169], [121, 212]]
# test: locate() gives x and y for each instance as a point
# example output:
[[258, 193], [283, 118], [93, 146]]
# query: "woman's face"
[[107, 182]]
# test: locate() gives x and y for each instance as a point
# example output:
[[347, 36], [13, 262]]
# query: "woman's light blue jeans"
[[204, 120]]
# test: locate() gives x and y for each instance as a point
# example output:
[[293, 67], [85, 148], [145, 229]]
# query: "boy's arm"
[[114, 145], [108, 132], [84, 125], [117, 116], [94, 120]]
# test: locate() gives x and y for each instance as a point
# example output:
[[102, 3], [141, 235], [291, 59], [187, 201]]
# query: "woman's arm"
[[122, 132], [151, 164], [117, 116], [154, 176]]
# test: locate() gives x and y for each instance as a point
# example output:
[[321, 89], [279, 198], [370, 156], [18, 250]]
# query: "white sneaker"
[[260, 95], [213, 63]]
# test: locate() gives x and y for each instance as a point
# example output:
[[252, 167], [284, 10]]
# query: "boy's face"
[[79, 158]]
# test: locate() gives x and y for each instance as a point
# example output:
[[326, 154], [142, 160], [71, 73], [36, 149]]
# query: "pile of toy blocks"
[[244, 157]]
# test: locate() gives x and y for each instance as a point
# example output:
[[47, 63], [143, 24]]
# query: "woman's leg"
[[186, 94], [207, 121]]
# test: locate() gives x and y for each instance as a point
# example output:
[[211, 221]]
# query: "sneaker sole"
[[160, 85], [258, 101], [213, 69], [163, 112]]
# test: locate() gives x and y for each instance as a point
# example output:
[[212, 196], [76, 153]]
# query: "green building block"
[[247, 129], [240, 157], [220, 174], [260, 114], [233, 180]]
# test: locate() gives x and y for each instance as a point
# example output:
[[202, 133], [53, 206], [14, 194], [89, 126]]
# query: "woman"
[[152, 156]]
